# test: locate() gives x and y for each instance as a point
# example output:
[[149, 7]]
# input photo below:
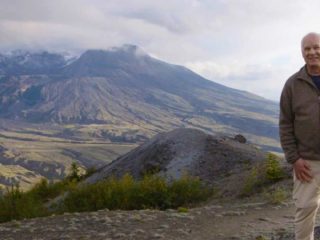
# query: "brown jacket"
[[300, 118]]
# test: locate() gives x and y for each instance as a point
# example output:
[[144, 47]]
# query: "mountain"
[[21, 62], [127, 87]]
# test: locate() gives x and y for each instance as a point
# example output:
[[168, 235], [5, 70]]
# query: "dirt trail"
[[210, 222]]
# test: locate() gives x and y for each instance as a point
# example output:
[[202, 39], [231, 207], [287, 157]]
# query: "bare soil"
[[213, 221]]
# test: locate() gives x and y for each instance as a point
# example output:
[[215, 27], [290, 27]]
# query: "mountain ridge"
[[127, 86]]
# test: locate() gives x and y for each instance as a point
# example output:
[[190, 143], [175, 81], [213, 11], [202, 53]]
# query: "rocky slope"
[[191, 151]]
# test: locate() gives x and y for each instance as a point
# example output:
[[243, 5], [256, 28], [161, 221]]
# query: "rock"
[[139, 231], [236, 237], [164, 226], [265, 219], [184, 232], [240, 138], [157, 236], [120, 235]]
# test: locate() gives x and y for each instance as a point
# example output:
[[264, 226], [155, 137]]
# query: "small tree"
[[274, 171], [74, 174], [263, 174]]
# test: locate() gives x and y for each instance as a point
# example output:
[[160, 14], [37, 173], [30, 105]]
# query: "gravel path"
[[211, 222]]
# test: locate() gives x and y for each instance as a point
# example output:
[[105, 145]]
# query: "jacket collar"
[[303, 75]]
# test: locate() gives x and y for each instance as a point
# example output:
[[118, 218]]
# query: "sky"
[[252, 45]]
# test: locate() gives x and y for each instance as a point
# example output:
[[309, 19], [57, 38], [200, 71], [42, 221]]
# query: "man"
[[300, 135]]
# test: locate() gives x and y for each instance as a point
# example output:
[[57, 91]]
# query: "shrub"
[[126, 193], [45, 191], [188, 190], [265, 173], [14, 204], [251, 182], [152, 192]]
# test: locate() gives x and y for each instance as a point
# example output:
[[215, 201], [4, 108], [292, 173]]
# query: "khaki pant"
[[307, 199]]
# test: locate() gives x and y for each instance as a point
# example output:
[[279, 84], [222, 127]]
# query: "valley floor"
[[213, 221]]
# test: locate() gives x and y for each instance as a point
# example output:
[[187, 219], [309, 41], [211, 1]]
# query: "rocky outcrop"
[[184, 151]]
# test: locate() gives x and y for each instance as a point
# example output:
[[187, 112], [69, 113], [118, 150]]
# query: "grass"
[[276, 195], [124, 193], [183, 210]]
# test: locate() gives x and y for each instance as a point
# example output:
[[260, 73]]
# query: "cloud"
[[242, 43], [265, 80], [230, 71]]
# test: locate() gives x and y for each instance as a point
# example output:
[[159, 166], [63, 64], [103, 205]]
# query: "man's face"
[[311, 51]]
